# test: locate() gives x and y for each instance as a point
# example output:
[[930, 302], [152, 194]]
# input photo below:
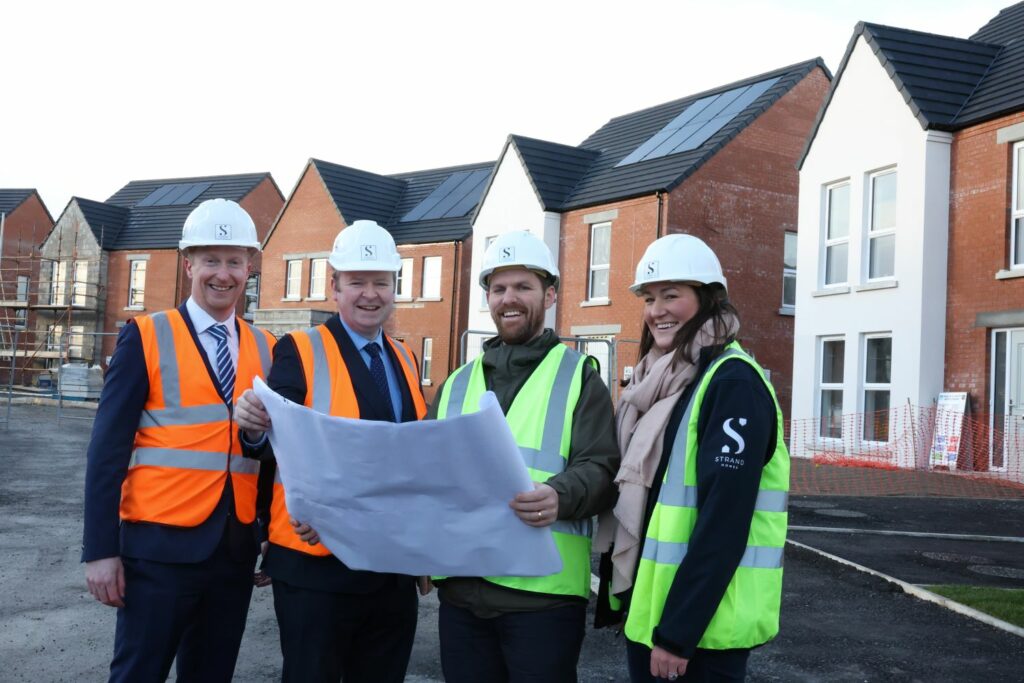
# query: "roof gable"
[[12, 199], [106, 221]]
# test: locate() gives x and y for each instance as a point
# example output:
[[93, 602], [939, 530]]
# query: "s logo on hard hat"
[[222, 231], [508, 253], [651, 269], [369, 252]]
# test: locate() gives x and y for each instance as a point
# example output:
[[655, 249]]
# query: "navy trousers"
[[195, 611], [538, 647], [328, 637], [706, 666]]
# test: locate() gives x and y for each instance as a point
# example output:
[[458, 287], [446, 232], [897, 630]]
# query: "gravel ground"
[[838, 624]]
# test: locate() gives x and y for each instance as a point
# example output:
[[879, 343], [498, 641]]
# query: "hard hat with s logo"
[[364, 245], [678, 258]]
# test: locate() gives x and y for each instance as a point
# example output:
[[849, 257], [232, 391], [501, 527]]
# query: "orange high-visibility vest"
[[329, 391], [185, 444]]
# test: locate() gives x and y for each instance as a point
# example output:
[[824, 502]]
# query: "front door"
[[1007, 399]]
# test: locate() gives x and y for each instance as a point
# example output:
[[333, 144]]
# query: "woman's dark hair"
[[713, 304]]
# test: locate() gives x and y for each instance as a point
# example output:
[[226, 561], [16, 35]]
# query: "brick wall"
[[742, 202], [979, 247]]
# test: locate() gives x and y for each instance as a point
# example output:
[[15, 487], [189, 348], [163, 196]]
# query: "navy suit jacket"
[[288, 379], [125, 390]]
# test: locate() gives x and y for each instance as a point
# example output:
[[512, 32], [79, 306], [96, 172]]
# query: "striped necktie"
[[225, 369], [380, 377]]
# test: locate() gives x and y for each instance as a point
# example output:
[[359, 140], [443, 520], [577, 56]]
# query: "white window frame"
[[1017, 210], [431, 287], [878, 234], [53, 335], [317, 279], [137, 295], [403, 282], [830, 243], [252, 297], [787, 272], [595, 267], [829, 386], [58, 282], [866, 386], [426, 360], [80, 284], [21, 296], [293, 279], [76, 340]]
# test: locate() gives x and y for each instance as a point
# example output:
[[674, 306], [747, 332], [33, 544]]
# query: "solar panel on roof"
[[698, 122], [454, 197], [174, 194]]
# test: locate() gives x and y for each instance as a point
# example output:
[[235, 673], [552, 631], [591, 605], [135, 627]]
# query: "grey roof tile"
[[11, 199], [105, 220], [553, 169]]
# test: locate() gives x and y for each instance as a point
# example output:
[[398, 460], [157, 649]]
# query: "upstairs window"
[[293, 279], [789, 271], [882, 228], [80, 287], [403, 286], [21, 295], [137, 284], [1017, 214], [600, 258], [427, 360], [58, 282], [837, 233], [431, 277], [318, 278]]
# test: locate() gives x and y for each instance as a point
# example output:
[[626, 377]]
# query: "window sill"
[[595, 302], [315, 298], [881, 284], [426, 382], [134, 308], [787, 310], [1010, 274], [402, 299], [291, 298], [831, 291], [429, 298]]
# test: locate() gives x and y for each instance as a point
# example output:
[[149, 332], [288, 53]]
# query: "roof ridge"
[[871, 24], [988, 70]]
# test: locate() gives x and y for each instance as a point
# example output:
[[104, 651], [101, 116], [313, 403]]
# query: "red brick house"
[[718, 164], [24, 224], [105, 262], [427, 212]]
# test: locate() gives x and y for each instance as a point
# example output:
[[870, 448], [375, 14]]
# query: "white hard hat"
[[519, 248], [219, 223], [678, 258], [364, 245]]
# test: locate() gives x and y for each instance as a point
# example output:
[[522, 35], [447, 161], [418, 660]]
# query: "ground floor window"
[[830, 387], [877, 387]]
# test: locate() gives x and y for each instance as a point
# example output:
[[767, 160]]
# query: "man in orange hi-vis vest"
[[337, 623], [170, 502]]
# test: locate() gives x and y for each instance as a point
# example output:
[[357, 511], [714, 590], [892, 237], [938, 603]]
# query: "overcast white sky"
[[96, 94]]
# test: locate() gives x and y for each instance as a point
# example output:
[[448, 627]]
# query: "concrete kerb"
[[917, 591]]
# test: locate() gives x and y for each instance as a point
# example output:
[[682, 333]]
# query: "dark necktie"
[[225, 369], [380, 378]]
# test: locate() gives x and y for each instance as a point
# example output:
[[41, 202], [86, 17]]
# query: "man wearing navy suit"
[[169, 500], [337, 623]]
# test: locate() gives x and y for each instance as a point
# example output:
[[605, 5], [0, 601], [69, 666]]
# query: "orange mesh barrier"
[[909, 451]]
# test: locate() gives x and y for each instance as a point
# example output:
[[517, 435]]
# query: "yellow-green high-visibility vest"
[[540, 418], [748, 614]]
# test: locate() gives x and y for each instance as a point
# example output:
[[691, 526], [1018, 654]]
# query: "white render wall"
[[511, 204], [867, 128]]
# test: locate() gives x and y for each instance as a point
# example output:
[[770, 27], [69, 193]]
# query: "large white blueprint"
[[419, 498]]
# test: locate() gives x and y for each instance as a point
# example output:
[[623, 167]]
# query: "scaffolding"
[[44, 298]]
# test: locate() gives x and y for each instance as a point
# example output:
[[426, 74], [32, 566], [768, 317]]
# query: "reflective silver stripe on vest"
[[581, 527], [183, 415], [756, 557], [321, 372], [192, 460], [545, 461], [459, 387], [558, 402], [262, 346], [686, 497], [168, 359], [673, 488], [402, 352]]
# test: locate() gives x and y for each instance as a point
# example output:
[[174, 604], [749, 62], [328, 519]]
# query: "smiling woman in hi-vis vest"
[[700, 523]]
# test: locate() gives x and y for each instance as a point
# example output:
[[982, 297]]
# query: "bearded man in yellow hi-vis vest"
[[169, 500], [337, 623], [510, 629]]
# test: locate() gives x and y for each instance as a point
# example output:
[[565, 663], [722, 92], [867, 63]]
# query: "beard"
[[522, 329]]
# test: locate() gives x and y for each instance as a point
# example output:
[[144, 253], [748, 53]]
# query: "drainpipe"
[[456, 310], [657, 232]]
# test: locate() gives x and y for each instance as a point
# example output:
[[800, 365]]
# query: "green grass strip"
[[1002, 603]]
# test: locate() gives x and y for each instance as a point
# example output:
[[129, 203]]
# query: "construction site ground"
[[838, 624]]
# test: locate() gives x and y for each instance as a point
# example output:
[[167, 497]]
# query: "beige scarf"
[[642, 416]]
